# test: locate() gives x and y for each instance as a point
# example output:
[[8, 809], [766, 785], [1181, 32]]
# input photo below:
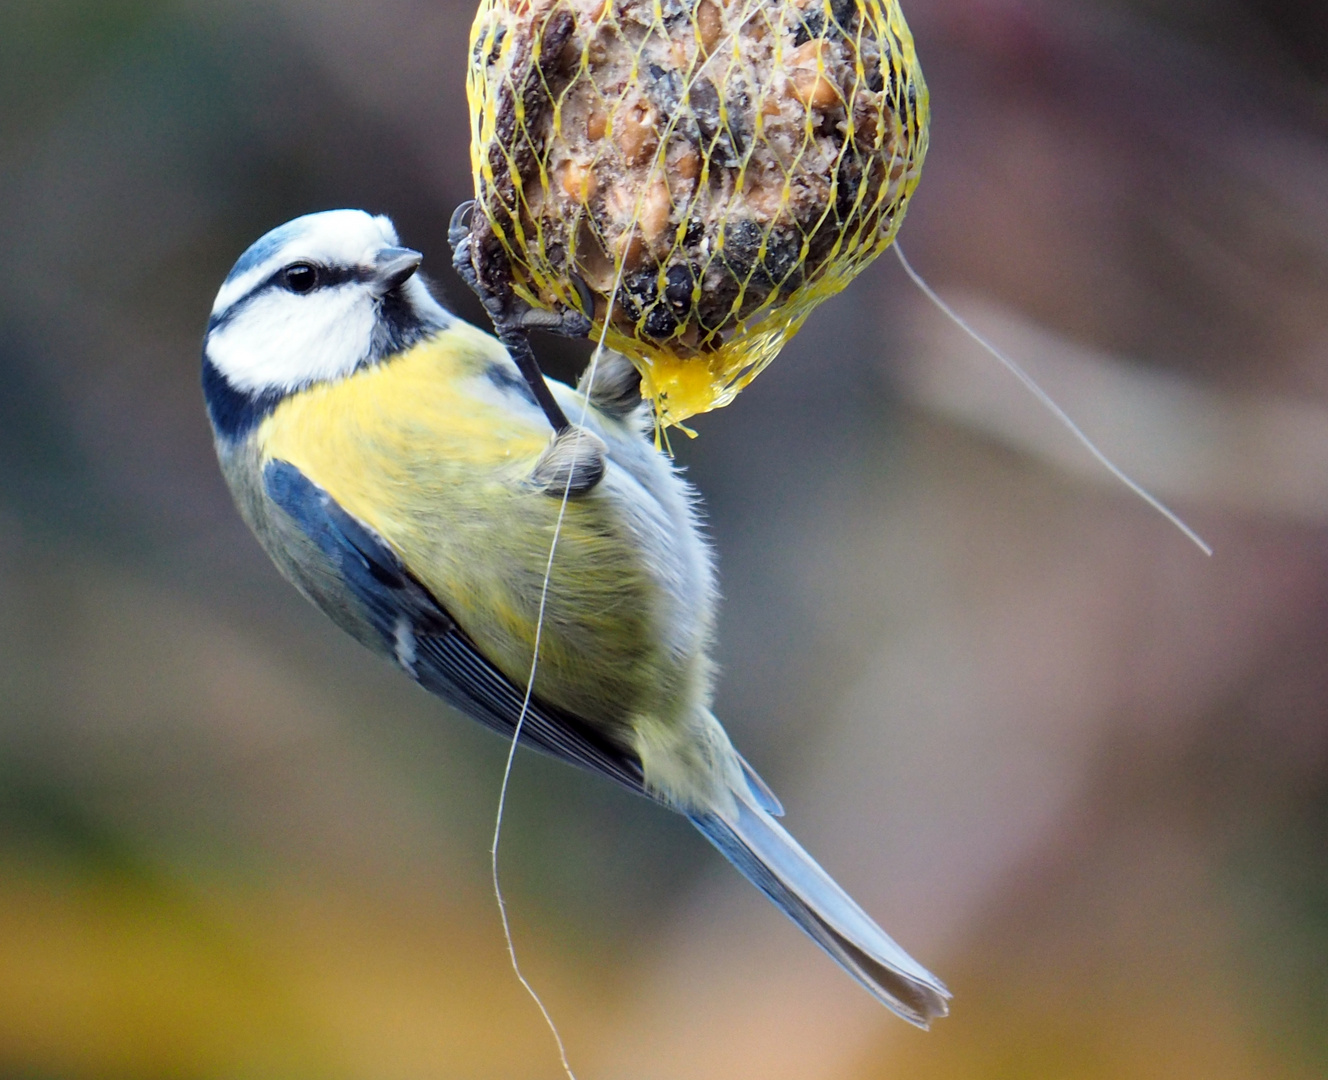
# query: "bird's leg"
[[517, 342], [513, 318], [575, 459]]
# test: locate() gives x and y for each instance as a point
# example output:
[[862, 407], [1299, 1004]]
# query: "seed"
[[807, 77], [578, 181], [636, 134], [660, 322], [655, 207], [709, 25], [678, 283]]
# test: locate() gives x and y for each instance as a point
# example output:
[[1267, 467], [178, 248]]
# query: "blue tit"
[[400, 473]]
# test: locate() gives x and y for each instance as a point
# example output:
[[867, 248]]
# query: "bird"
[[401, 473]]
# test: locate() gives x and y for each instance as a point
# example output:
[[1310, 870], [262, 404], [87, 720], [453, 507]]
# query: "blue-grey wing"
[[426, 640]]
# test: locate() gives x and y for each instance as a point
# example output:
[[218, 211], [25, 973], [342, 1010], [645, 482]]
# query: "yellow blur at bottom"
[[103, 977], [107, 977]]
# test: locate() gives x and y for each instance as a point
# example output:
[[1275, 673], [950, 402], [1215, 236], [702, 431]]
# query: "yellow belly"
[[423, 450]]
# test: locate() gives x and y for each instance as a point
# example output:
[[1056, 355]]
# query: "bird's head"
[[312, 301]]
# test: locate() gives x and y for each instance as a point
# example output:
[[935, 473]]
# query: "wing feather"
[[428, 643]]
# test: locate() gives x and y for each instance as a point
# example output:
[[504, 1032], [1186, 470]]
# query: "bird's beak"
[[392, 266]]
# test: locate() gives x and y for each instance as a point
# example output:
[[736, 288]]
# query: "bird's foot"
[[508, 311], [512, 317]]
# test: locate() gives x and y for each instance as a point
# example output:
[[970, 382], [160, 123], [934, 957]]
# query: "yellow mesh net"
[[716, 167]]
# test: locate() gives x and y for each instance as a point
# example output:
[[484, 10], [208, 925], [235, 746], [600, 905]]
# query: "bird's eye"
[[300, 277]]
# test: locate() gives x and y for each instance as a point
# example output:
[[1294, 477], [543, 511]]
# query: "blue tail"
[[768, 857]]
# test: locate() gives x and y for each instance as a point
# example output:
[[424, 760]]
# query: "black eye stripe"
[[329, 277], [399, 325]]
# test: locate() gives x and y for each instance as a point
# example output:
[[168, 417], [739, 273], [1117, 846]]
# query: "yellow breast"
[[423, 403], [432, 453]]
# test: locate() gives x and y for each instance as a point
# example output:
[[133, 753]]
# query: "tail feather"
[[765, 798], [767, 856]]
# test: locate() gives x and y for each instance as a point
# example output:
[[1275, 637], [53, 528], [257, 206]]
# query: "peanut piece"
[[655, 207], [688, 165], [709, 25], [578, 181], [636, 134], [807, 78]]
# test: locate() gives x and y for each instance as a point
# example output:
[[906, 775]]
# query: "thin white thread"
[[1046, 401], [530, 688]]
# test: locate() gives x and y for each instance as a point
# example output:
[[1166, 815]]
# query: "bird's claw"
[[458, 228], [513, 317], [507, 310]]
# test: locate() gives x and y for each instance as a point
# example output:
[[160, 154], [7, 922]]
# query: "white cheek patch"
[[281, 341]]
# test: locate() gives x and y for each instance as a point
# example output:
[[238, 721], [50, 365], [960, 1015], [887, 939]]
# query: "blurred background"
[[1078, 769]]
